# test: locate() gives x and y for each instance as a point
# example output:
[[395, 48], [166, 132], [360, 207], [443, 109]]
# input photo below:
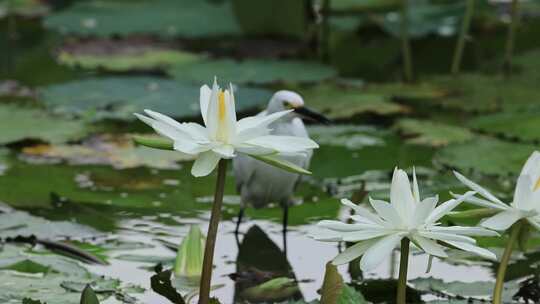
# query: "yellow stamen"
[[221, 101], [537, 185]]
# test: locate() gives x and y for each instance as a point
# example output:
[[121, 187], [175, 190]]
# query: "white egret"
[[260, 184]]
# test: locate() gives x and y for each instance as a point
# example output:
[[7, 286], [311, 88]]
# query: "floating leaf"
[[424, 132], [19, 223], [364, 5], [522, 126], [120, 97], [161, 284], [478, 289], [189, 258], [274, 290], [117, 151], [256, 71], [28, 123], [184, 18], [489, 156], [24, 8], [424, 18], [145, 60], [349, 136], [259, 17], [339, 102]]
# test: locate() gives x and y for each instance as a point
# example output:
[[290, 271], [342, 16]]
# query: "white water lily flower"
[[223, 136], [406, 216], [526, 203]]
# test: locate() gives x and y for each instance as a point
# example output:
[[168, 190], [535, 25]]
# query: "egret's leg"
[[239, 220], [285, 222]]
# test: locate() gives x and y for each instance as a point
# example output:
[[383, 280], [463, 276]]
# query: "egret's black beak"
[[310, 114]]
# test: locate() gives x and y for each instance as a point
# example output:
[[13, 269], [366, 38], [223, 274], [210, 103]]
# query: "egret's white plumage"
[[260, 184]]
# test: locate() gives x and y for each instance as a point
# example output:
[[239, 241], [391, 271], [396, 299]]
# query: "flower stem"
[[510, 38], [405, 45], [206, 277], [403, 265], [501, 272], [458, 54], [324, 31]]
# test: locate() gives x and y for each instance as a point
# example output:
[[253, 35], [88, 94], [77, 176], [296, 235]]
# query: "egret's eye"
[[288, 105]]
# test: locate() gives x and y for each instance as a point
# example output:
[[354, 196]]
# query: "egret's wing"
[[243, 170]]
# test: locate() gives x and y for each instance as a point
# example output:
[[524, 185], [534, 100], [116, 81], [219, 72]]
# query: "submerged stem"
[[501, 272], [514, 14], [458, 54], [206, 276], [403, 265], [405, 44]]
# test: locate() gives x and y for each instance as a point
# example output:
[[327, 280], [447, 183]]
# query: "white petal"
[[353, 252], [252, 126], [442, 236], [479, 189], [446, 207], [212, 115], [254, 150], [284, 144], [523, 193], [386, 211], [189, 130], [162, 129], [343, 227], [502, 220], [326, 236], [230, 112], [471, 231], [225, 151], [362, 235], [481, 202], [189, 147], [430, 247], [363, 212], [416, 190], [424, 209], [205, 163], [204, 99], [401, 196], [532, 167], [474, 249], [374, 256]]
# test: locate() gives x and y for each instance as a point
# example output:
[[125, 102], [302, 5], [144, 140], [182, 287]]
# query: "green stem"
[[206, 277], [403, 265], [510, 38], [501, 272], [458, 54], [405, 44]]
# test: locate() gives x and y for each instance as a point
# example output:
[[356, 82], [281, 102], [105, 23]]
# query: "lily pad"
[[145, 60], [522, 126], [478, 289], [184, 18], [253, 71], [61, 282], [424, 18], [348, 136], [364, 5], [25, 8], [120, 97], [116, 151], [340, 103], [424, 132], [18, 223], [19, 123], [486, 155], [259, 17]]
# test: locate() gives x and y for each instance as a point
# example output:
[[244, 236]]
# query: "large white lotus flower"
[[223, 136], [377, 234], [526, 203]]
